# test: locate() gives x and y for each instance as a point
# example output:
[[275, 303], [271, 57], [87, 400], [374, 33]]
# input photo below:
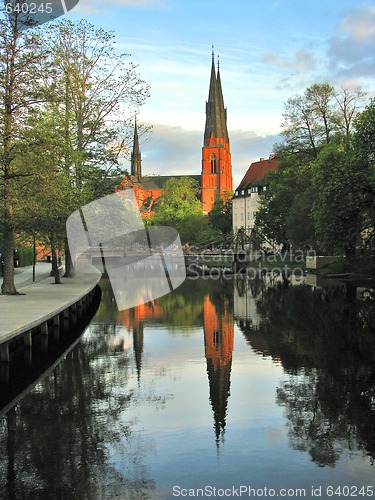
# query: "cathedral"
[[216, 172]]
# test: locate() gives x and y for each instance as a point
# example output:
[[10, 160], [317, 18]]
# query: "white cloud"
[[351, 52], [176, 151], [302, 61], [360, 24]]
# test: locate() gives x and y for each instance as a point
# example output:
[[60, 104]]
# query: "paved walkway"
[[24, 275], [41, 300]]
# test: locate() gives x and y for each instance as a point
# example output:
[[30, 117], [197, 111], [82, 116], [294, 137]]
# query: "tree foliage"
[[313, 118], [66, 97], [323, 193], [180, 208], [22, 62], [220, 216]]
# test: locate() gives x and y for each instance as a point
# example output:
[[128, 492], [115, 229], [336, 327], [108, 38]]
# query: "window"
[[243, 191], [216, 338], [213, 164]]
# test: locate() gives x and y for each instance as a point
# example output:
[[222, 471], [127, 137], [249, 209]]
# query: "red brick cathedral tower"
[[216, 157]]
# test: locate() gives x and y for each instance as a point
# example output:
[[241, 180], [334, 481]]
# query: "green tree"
[[43, 210], [338, 209], [95, 87], [313, 118], [180, 208], [294, 208], [308, 120], [220, 216], [284, 213], [22, 62], [364, 145]]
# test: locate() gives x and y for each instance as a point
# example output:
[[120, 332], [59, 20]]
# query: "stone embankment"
[[42, 305]]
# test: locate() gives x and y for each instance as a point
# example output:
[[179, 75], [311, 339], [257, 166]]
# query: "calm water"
[[220, 384]]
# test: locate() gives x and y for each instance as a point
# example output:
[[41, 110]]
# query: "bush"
[[25, 256]]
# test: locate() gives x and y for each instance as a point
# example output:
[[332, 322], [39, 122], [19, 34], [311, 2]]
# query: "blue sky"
[[268, 52]]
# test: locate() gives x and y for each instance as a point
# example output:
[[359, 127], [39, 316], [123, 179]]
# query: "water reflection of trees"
[[325, 340], [61, 441]]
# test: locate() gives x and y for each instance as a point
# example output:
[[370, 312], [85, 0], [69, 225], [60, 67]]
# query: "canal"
[[223, 387]]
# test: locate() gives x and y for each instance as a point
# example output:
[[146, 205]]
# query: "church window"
[[213, 164], [216, 338]]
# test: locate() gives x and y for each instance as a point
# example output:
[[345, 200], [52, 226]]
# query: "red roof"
[[256, 173]]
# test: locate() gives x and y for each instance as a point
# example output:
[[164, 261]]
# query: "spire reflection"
[[218, 343]]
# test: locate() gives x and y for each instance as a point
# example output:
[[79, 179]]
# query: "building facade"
[[246, 197]]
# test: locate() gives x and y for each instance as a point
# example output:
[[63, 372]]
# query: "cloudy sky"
[[268, 52]]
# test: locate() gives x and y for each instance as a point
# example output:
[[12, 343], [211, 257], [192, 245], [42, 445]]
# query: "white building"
[[245, 201]]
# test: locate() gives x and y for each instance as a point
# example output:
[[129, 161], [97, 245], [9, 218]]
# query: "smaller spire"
[[213, 53], [136, 169], [218, 62]]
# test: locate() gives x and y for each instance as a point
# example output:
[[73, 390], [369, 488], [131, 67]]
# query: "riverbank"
[[40, 302], [361, 271]]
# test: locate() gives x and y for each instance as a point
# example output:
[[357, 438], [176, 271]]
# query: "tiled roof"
[[160, 180], [146, 183], [256, 173]]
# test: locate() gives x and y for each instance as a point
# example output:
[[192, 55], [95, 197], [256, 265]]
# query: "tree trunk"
[[55, 267], [8, 286], [69, 268]]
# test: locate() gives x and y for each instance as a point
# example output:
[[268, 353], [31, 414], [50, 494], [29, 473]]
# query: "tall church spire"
[[136, 160], [216, 116], [216, 178]]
